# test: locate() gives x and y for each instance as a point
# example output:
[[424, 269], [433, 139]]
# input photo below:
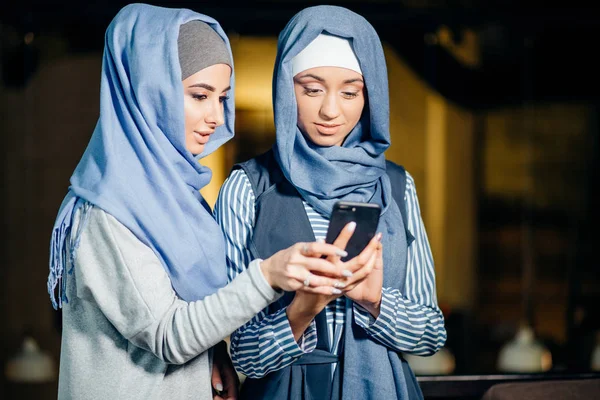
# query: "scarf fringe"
[[57, 279]]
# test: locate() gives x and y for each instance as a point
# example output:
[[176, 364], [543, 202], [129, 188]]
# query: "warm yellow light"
[[253, 73]]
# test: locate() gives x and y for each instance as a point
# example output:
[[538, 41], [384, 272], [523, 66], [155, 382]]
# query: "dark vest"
[[280, 222]]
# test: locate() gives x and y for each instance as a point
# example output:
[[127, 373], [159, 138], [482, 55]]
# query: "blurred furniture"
[[575, 389], [474, 387], [524, 354]]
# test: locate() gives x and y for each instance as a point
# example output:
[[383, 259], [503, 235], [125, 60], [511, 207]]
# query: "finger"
[[360, 260], [379, 259], [314, 250], [232, 394], [228, 393], [322, 267], [318, 249], [312, 280], [323, 290], [231, 381], [361, 274], [216, 380], [344, 237]]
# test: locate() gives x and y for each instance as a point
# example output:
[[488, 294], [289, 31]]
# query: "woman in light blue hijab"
[[137, 261], [331, 105]]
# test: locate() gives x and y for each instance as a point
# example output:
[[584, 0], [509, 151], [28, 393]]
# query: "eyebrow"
[[208, 87], [318, 78]]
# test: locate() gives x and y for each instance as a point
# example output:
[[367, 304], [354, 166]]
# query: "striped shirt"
[[409, 322]]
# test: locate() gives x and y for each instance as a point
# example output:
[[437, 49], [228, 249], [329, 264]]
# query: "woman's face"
[[204, 94], [330, 102]]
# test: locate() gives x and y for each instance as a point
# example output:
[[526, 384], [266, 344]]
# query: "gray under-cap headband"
[[200, 47]]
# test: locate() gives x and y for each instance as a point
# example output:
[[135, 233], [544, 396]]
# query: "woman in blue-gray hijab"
[[137, 261], [330, 98]]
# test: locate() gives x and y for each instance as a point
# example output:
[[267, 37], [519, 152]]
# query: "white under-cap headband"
[[326, 51]]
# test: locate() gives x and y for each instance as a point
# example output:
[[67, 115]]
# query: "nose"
[[330, 108], [216, 114]]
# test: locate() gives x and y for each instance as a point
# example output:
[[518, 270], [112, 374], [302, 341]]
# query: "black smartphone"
[[366, 216]]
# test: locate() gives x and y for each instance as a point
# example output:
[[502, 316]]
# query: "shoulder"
[[394, 168], [237, 178], [410, 181], [262, 172], [259, 164], [100, 224], [398, 173], [236, 190]]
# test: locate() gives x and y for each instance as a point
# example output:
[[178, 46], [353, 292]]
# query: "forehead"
[[217, 75], [329, 74]]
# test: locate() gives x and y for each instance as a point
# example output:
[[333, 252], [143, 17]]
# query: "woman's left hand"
[[225, 381], [368, 292]]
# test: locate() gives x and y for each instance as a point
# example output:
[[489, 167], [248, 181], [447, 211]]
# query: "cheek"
[[192, 115], [302, 111], [355, 110], [307, 108], [187, 114]]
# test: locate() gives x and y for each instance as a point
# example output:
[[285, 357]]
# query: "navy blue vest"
[[280, 222]]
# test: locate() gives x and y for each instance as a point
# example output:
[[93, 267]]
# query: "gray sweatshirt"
[[126, 334]]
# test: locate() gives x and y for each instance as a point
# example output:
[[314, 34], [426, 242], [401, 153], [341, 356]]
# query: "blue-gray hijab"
[[136, 166], [355, 171]]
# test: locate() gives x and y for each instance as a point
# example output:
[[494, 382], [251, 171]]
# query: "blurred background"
[[494, 111]]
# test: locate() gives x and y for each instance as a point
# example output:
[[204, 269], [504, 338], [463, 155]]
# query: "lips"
[[328, 129], [202, 137]]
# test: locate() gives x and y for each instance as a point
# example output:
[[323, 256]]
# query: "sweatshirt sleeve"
[[128, 283]]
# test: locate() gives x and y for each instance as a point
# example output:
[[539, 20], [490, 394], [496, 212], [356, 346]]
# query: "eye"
[[349, 95], [223, 99], [311, 91], [199, 96]]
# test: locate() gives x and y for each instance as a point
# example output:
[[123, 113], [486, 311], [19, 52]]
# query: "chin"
[[195, 149], [327, 142], [320, 140]]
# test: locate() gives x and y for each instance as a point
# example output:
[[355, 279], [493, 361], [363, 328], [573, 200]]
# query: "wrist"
[[299, 318], [265, 268], [302, 309], [373, 307]]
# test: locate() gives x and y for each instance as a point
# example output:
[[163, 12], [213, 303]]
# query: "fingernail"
[[341, 253], [219, 387], [347, 273], [320, 240], [351, 226], [339, 285], [379, 236], [336, 291]]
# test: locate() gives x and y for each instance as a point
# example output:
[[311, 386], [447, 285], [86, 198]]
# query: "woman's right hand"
[[292, 268], [305, 306]]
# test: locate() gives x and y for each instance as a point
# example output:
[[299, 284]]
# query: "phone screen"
[[366, 216]]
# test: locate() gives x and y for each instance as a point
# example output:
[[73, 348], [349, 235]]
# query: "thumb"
[[217, 382]]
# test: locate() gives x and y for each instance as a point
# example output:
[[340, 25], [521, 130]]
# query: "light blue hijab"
[[136, 166], [355, 171]]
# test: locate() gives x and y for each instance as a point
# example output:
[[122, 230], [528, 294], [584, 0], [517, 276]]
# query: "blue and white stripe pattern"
[[409, 322]]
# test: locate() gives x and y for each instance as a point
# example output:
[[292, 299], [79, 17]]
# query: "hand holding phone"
[[366, 290], [366, 216]]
